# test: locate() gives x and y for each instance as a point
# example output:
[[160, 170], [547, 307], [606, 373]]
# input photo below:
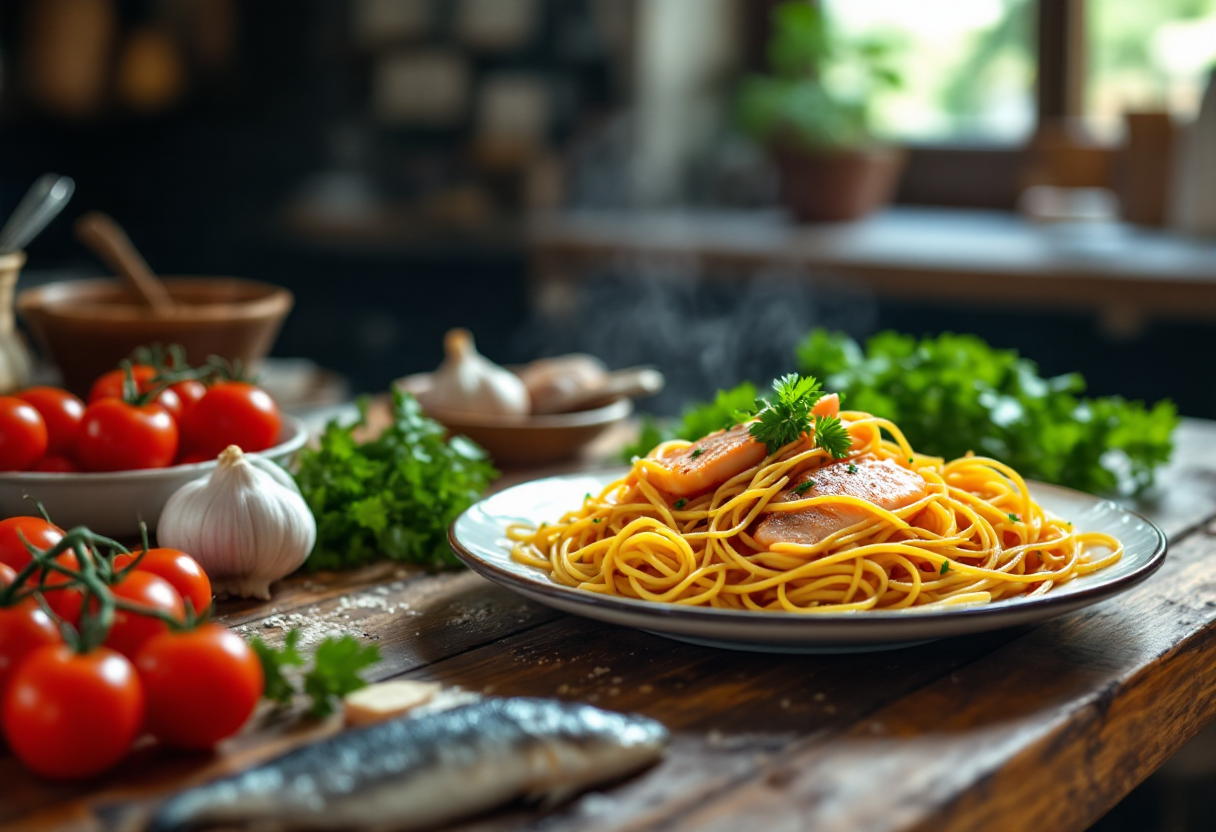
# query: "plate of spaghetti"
[[805, 528]]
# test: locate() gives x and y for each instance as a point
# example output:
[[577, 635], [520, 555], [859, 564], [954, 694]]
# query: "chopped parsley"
[[680, 503], [697, 452], [852, 469], [598, 519], [1014, 518], [945, 567], [335, 671], [805, 487]]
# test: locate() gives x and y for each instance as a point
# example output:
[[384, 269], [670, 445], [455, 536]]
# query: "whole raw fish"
[[419, 772]]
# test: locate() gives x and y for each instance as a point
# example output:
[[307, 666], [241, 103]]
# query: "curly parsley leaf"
[[954, 393], [335, 672], [394, 496], [787, 416], [277, 687]]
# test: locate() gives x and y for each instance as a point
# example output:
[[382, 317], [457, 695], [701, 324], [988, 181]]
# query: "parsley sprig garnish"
[[334, 672], [787, 416]]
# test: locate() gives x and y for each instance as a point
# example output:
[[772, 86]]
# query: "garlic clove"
[[553, 381], [245, 525], [468, 382]]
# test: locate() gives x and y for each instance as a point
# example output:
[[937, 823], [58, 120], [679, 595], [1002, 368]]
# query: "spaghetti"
[[972, 535]]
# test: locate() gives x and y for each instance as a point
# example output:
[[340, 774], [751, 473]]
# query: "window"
[[1146, 55], [968, 66]]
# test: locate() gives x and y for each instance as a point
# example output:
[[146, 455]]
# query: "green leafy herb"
[[697, 452], [596, 520], [954, 393], [698, 420], [852, 469], [945, 567], [787, 416], [1015, 518], [680, 503], [277, 687], [394, 496], [804, 487], [335, 671]]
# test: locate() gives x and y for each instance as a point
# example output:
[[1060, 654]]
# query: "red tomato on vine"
[[61, 412], [70, 715], [23, 434], [116, 436], [201, 685], [232, 413]]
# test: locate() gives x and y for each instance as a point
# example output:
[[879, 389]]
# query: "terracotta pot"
[[837, 185], [87, 326]]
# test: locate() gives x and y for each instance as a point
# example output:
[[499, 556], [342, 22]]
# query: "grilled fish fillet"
[[420, 772], [884, 484]]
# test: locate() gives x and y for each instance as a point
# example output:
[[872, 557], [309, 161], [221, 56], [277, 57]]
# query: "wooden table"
[[1123, 273], [1041, 728]]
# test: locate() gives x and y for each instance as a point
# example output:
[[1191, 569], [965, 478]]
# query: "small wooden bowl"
[[527, 441], [87, 326]]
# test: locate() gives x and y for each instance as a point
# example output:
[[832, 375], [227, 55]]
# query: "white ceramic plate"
[[113, 503], [477, 538]]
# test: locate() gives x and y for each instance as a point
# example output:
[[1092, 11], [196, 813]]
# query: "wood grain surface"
[[1041, 728]]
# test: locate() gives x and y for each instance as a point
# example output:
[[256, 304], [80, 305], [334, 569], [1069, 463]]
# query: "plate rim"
[[859, 620]]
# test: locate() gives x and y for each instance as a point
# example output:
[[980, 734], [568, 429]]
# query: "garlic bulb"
[[246, 524], [468, 382]]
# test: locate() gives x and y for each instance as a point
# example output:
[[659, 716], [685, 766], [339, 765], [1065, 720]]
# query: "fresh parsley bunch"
[[954, 393], [394, 496]]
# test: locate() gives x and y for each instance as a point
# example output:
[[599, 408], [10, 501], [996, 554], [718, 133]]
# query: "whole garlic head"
[[246, 524], [468, 382]]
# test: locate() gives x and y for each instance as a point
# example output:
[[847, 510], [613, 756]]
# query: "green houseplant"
[[811, 111]]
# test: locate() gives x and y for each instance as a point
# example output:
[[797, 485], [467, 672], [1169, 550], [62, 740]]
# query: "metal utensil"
[[41, 204]]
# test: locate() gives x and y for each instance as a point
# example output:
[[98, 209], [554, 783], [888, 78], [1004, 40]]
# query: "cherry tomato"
[[201, 685], [117, 436], [61, 411], [111, 384], [23, 629], [23, 436], [189, 392], [40, 534], [233, 413], [179, 569], [56, 465], [72, 715], [188, 457], [65, 603], [131, 629]]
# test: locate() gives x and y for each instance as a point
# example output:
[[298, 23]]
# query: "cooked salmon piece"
[[883, 483], [708, 462]]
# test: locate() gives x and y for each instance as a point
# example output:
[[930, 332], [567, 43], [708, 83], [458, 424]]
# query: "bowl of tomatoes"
[[144, 432]]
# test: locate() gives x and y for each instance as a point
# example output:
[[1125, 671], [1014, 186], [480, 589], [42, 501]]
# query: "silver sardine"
[[419, 772]]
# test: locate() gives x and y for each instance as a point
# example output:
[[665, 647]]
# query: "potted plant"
[[811, 112]]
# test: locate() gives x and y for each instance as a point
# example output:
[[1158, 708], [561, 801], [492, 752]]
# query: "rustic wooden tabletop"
[[1040, 728]]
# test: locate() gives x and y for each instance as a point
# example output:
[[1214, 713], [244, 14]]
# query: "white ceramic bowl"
[[113, 503]]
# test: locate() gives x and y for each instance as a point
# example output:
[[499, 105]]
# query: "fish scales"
[[418, 772]]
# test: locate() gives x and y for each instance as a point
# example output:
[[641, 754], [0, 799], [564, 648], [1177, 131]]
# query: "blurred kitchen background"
[[607, 175], [632, 178]]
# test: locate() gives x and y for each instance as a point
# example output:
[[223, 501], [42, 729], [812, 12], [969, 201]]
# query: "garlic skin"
[[245, 524], [468, 382]]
